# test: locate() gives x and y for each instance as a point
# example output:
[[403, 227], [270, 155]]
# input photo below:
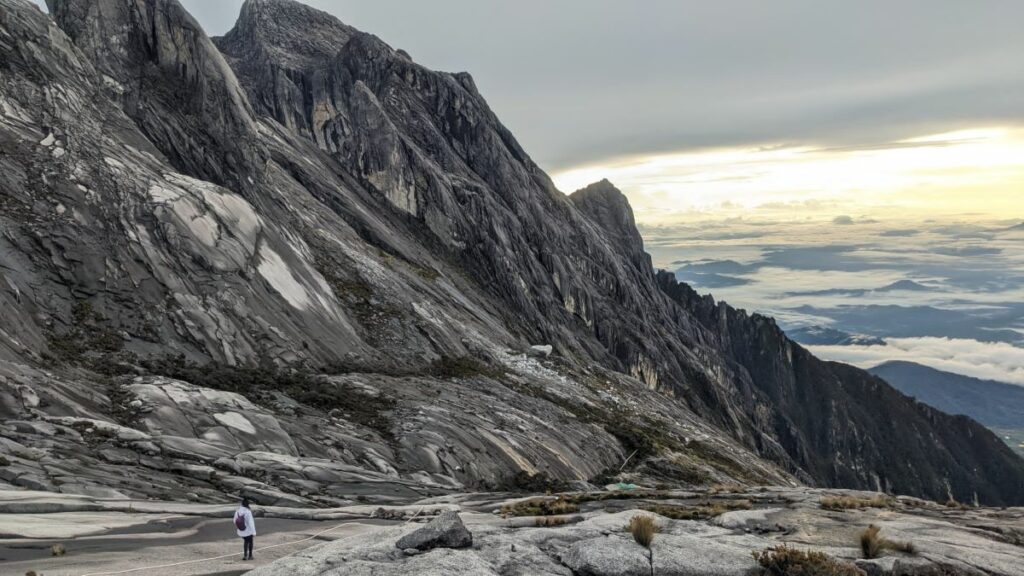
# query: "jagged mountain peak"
[[171, 80], [606, 193], [294, 33], [609, 208]]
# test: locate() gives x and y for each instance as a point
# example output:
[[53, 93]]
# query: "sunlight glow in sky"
[[977, 172]]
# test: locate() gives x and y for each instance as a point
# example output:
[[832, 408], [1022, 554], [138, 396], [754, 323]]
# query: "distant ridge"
[[992, 403]]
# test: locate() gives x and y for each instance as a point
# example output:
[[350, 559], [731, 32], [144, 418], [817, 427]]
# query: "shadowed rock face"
[[300, 192], [171, 80]]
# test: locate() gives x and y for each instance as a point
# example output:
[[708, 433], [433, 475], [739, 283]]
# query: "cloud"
[[967, 250], [990, 322], [842, 220], [899, 285], [987, 360]]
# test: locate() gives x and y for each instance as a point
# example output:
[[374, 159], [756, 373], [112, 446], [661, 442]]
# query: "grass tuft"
[[643, 528], [58, 550], [954, 503]]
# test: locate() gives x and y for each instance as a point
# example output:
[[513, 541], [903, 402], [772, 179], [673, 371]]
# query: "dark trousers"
[[247, 547]]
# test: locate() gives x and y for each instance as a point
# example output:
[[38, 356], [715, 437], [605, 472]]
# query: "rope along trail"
[[172, 565]]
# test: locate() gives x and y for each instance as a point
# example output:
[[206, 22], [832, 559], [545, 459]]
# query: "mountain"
[[294, 263], [823, 335], [994, 404]]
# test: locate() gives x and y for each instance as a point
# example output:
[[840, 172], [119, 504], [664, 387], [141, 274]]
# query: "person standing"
[[246, 528]]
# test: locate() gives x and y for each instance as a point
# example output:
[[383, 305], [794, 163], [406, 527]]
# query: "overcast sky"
[[594, 83], [581, 80]]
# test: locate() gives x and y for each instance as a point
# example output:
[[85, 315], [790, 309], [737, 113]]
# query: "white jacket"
[[250, 525]]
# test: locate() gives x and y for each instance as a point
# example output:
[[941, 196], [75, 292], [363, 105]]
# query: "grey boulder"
[[445, 531]]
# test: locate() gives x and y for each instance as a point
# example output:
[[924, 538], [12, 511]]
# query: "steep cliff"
[[298, 193]]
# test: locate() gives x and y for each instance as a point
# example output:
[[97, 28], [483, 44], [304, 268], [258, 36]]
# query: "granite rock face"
[[299, 196]]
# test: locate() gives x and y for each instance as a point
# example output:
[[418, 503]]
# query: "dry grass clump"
[[871, 544], [785, 561], [702, 512], [954, 503], [539, 507], [549, 521], [58, 550], [731, 488], [855, 502], [643, 529]]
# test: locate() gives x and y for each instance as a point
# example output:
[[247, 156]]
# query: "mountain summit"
[[293, 250]]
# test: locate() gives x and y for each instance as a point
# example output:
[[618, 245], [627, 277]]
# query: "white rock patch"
[[236, 421], [275, 271]]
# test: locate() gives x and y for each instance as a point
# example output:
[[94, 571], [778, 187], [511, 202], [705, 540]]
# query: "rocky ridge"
[[350, 254]]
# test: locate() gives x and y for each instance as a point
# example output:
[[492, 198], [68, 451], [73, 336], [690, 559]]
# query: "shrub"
[[58, 550], [855, 502], [643, 529], [785, 561], [4, 461], [871, 544], [539, 507]]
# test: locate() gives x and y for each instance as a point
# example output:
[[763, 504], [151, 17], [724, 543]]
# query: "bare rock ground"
[[591, 540]]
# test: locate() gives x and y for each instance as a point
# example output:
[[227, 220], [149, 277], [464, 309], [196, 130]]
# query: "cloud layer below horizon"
[[944, 293], [986, 360]]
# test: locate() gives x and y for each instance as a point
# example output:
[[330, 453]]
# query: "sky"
[[694, 107]]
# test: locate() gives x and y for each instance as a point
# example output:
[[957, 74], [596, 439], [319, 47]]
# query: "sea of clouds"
[[945, 293]]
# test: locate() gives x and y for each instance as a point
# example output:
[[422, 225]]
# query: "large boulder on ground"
[[445, 531], [608, 556]]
